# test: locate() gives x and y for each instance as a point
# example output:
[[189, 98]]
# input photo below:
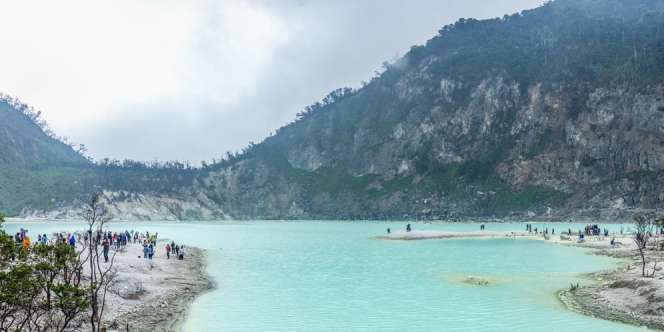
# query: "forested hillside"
[[36, 167], [40, 171], [554, 112]]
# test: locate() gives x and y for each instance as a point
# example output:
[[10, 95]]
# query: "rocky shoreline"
[[154, 295], [587, 301], [622, 295]]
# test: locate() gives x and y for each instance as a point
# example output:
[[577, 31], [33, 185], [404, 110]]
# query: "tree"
[[57, 269], [101, 277], [644, 223], [40, 288]]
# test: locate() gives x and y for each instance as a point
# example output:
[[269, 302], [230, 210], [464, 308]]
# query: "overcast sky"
[[174, 79]]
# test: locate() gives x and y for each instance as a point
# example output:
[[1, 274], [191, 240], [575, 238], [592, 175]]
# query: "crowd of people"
[[106, 240], [545, 231], [588, 230], [594, 230], [176, 249]]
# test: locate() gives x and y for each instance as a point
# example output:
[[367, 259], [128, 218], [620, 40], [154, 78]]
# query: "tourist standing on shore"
[[106, 247], [150, 251], [26, 242], [168, 251]]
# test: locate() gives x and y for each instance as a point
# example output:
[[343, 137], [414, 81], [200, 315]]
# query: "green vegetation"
[[26, 140], [578, 40], [40, 285], [43, 188], [51, 284], [49, 187]]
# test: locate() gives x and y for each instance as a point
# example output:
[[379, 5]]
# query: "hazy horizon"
[[189, 81]]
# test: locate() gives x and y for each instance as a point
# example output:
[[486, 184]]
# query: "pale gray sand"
[[622, 295], [153, 295], [430, 235]]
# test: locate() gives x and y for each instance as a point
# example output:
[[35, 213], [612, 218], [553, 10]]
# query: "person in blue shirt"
[[150, 251]]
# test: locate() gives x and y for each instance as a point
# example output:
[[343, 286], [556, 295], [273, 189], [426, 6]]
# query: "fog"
[[190, 80]]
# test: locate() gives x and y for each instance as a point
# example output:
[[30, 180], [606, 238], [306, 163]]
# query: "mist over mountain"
[[554, 112], [40, 171], [26, 141]]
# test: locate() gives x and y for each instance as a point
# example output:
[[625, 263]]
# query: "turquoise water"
[[331, 276]]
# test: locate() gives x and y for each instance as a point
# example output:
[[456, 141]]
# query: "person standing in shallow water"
[[408, 229]]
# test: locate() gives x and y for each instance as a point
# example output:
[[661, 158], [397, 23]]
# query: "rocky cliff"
[[556, 111]]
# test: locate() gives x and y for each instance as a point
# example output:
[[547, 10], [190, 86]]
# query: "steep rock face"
[[619, 133], [589, 160], [557, 111], [251, 189]]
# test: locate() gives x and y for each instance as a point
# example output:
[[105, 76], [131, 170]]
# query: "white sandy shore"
[[430, 235], [623, 295], [153, 295]]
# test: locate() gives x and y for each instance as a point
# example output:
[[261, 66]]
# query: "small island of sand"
[[431, 235]]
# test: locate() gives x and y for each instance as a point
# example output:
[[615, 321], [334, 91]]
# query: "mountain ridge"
[[491, 106], [26, 142], [553, 112]]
